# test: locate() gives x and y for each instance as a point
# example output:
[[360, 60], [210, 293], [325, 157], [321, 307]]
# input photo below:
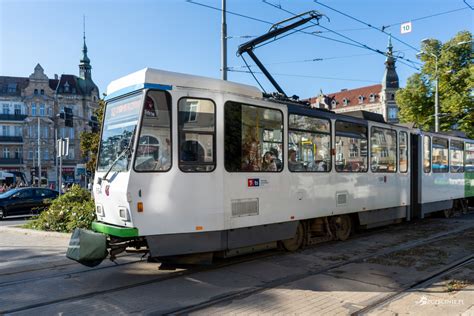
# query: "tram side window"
[[253, 138], [456, 152], [196, 132], [440, 155], [469, 157], [351, 147], [383, 150], [309, 144], [403, 152], [154, 142], [426, 154]]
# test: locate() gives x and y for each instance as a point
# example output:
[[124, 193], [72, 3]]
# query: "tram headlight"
[[124, 214]]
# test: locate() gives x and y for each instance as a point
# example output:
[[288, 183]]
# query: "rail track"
[[167, 275]]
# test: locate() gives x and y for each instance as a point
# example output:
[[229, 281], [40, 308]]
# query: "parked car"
[[25, 201]]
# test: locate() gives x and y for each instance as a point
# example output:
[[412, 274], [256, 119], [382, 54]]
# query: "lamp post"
[[436, 114]]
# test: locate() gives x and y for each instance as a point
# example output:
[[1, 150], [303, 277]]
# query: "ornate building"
[[30, 122], [379, 98]]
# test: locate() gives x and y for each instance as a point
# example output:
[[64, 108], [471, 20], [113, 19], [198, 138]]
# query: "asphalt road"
[[13, 221]]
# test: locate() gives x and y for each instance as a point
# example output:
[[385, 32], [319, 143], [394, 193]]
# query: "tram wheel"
[[296, 242], [342, 226]]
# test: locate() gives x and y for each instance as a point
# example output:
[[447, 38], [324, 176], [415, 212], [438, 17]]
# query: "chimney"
[[56, 76], [343, 90]]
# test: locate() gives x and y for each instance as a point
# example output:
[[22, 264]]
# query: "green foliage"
[[73, 209], [456, 81], [90, 140]]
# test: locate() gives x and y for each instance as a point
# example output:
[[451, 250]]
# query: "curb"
[[34, 232]]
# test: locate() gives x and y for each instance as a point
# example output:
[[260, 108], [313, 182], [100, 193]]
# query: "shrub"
[[75, 208]]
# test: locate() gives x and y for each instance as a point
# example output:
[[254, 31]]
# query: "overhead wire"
[[304, 76], [367, 24], [362, 45], [425, 17]]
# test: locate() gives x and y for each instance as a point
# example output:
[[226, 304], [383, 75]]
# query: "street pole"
[[61, 150], [39, 152], [224, 42], [56, 154], [436, 95]]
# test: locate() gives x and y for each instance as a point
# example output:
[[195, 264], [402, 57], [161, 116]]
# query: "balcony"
[[11, 139], [11, 161], [13, 117]]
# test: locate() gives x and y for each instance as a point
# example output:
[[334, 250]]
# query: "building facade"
[[30, 122], [379, 98]]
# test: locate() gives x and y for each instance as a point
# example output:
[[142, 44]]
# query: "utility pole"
[[39, 152], [224, 42]]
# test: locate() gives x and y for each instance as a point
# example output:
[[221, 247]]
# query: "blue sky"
[[127, 35]]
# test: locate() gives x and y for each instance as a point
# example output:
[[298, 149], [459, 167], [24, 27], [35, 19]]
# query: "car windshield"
[[8, 193], [120, 121]]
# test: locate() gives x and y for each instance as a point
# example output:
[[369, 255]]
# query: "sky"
[[124, 36]]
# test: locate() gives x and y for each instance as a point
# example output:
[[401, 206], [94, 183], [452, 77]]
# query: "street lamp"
[[436, 115]]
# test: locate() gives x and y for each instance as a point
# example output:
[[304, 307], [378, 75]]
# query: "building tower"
[[390, 86]]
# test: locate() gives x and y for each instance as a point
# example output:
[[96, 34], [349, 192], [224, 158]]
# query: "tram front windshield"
[[120, 123]]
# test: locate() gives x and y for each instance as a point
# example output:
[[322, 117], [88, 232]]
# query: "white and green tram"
[[192, 165]]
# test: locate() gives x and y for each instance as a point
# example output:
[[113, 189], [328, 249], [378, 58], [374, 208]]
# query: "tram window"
[[440, 155], [456, 152], [253, 138], [351, 147], [154, 142], [383, 150], [309, 144], [469, 157], [403, 152], [196, 132], [426, 154]]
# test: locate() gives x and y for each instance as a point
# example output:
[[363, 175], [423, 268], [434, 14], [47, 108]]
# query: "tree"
[[90, 140], [456, 80]]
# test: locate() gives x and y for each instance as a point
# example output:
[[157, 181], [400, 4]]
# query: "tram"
[[197, 166]]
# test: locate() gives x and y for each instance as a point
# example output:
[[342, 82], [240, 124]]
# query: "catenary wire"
[[350, 39]]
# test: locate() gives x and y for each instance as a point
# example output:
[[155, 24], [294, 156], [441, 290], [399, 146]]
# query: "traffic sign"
[[405, 28]]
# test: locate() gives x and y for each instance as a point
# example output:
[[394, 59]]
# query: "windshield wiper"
[[126, 151]]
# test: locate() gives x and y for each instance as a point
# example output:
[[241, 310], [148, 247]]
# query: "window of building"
[[18, 153], [309, 144], [456, 151], [440, 155], [11, 88], [71, 133], [426, 154], [392, 96], [6, 152], [6, 108], [30, 154], [392, 113], [17, 109], [469, 157], [196, 133], [46, 154], [333, 103], [36, 91], [351, 147], [345, 102], [33, 109], [45, 132], [50, 111], [372, 97], [5, 130], [361, 99], [18, 131], [253, 138], [383, 150], [42, 110], [154, 142], [71, 152], [42, 91], [403, 152]]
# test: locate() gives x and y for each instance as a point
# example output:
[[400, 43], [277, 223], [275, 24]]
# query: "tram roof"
[[168, 80]]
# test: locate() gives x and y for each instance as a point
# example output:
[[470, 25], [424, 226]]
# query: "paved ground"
[[385, 271], [13, 221]]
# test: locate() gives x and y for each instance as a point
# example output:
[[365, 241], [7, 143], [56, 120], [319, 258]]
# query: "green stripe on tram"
[[469, 184], [114, 230]]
